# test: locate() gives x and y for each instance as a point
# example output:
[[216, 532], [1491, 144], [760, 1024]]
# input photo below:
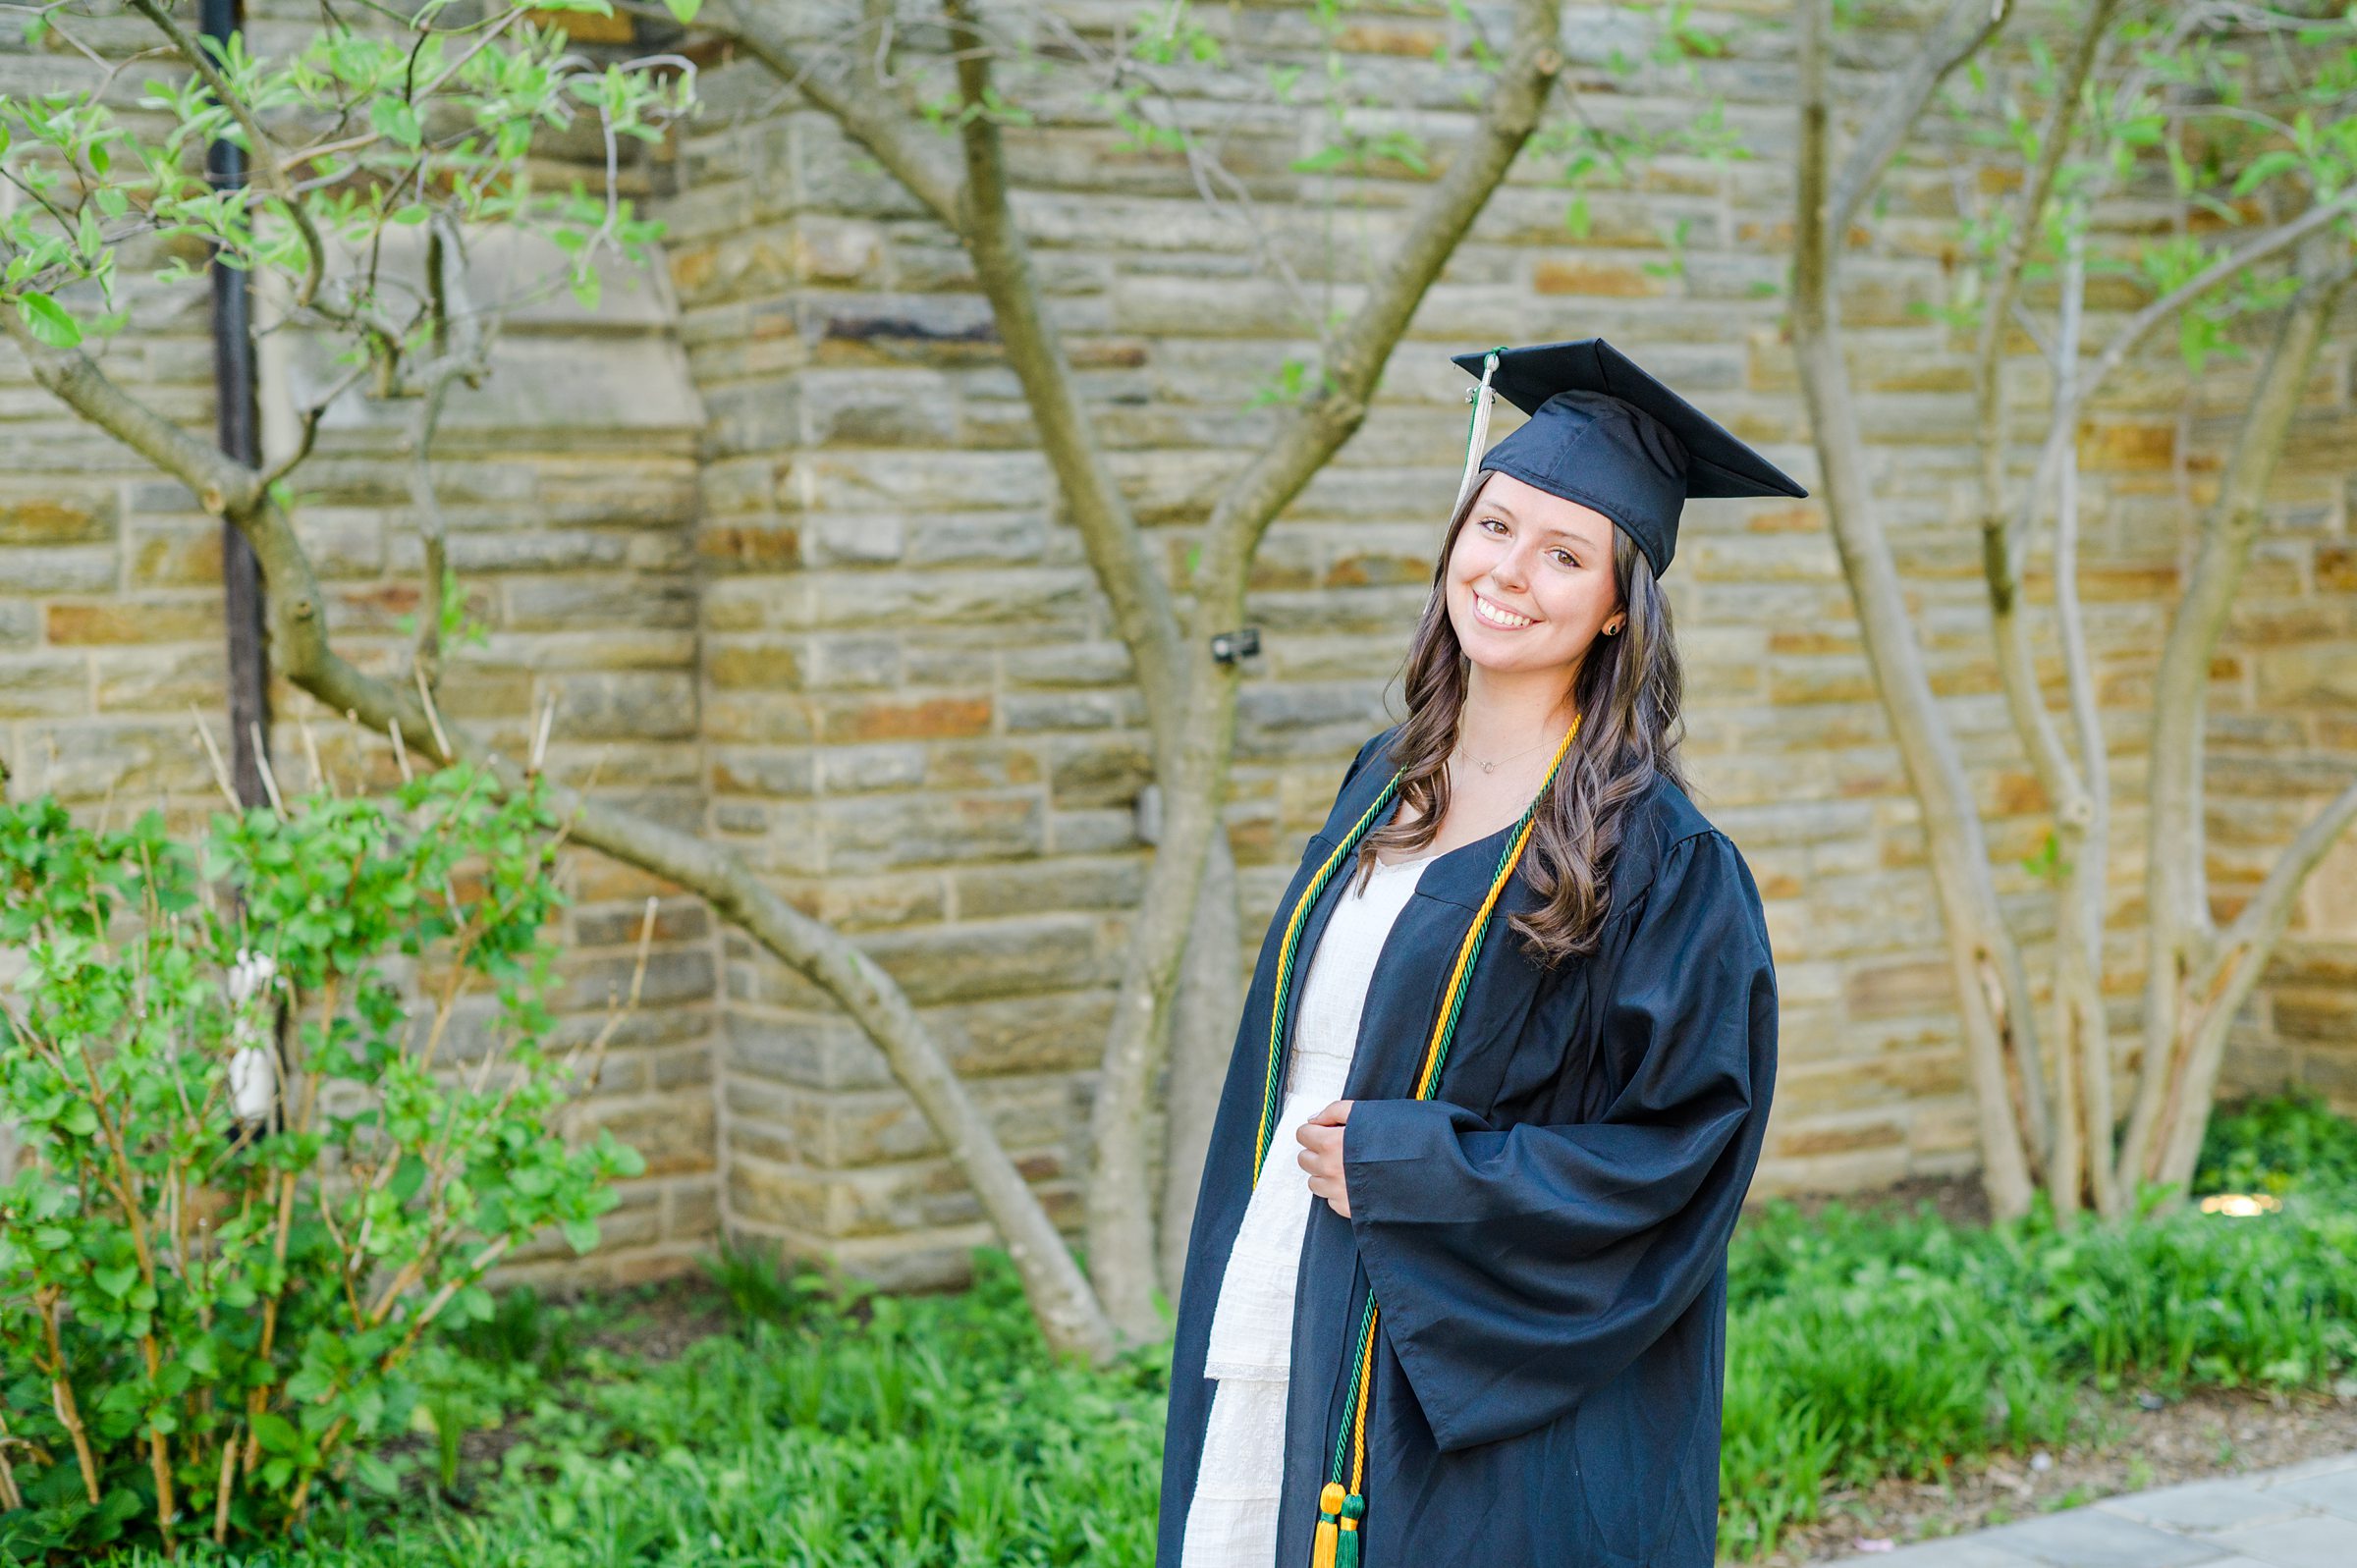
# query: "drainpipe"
[[235, 429]]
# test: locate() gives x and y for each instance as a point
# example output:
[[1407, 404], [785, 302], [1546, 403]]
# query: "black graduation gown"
[[1546, 1239]]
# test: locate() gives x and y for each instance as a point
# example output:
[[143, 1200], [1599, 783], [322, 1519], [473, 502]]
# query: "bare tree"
[[1182, 662], [2045, 1104], [1184, 659]]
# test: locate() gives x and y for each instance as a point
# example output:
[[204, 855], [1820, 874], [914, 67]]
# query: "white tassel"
[[1477, 437], [252, 1065]]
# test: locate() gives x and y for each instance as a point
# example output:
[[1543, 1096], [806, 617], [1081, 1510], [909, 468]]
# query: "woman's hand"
[[1321, 1140]]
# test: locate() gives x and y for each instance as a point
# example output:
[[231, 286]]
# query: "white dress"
[[1233, 1520]]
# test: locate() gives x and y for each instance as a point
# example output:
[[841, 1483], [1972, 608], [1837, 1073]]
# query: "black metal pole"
[[236, 428]]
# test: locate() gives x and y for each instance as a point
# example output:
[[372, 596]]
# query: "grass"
[[859, 1428]]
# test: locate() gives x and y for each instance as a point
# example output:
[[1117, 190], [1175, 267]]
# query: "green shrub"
[[253, 1178], [2276, 1144]]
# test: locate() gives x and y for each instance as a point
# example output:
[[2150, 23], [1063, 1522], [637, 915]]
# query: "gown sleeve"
[[1518, 1268]]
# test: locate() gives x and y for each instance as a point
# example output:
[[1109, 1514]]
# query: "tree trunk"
[[1202, 1038], [1992, 990], [2192, 986]]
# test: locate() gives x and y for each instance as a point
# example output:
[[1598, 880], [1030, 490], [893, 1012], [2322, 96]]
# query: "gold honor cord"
[[1339, 1507]]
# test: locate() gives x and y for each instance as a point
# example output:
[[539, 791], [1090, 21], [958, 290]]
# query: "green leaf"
[[48, 320], [377, 1476], [277, 1434], [581, 1234], [683, 11], [394, 119], [2264, 168]]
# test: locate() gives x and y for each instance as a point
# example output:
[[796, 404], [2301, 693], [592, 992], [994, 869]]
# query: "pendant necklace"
[[1493, 767]]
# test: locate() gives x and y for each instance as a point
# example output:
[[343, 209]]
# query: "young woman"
[[1456, 1291]]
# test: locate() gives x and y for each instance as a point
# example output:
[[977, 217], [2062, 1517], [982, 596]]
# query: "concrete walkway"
[[2301, 1516]]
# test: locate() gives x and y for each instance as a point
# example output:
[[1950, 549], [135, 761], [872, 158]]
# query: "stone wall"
[[776, 537], [568, 485], [919, 716]]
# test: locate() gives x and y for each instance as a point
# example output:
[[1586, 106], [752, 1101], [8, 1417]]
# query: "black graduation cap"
[[1605, 433]]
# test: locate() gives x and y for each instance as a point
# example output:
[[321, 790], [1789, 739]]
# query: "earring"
[[1611, 631]]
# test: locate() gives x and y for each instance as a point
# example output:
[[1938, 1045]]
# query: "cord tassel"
[[1477, 434], [1354, 1508], [1330, 1507]]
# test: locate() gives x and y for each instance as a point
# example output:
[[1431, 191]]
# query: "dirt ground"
[[2133, 1447]]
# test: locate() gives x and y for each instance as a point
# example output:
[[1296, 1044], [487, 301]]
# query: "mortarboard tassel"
[[1354, 1508], [1330, 1507], [1477, 433]]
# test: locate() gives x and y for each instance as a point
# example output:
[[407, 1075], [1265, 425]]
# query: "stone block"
[[692, 1212], [1109, 772], [892, 717], [674, 977], [1103, 831], [869, 833], [743, 546], [755, 664], [854, 540], [674, 1134], [988, 891], [57, 519], [844, 1130], [625, 705], [160, 680], [77, 568], [47, 685]]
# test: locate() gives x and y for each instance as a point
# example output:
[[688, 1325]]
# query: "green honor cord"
[[1339, 1507]]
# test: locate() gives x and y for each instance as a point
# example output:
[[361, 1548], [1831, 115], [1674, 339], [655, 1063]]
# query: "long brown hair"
[[1628, 694]]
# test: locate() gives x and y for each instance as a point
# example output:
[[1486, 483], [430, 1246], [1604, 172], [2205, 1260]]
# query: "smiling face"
[[1530, 580]]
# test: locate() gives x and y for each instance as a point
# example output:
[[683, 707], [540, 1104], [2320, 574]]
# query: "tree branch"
[[860, 101], [2258, 248], [257, 144], [74, 378], [1313, 431], [2063, 426], [1120, 1252], [1108, 530], [1956, 38], [1067, 1310], [1994, 439], [2247, 941], [974, 203]]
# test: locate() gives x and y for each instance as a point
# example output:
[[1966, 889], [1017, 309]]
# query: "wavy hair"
[[1627, 692]]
